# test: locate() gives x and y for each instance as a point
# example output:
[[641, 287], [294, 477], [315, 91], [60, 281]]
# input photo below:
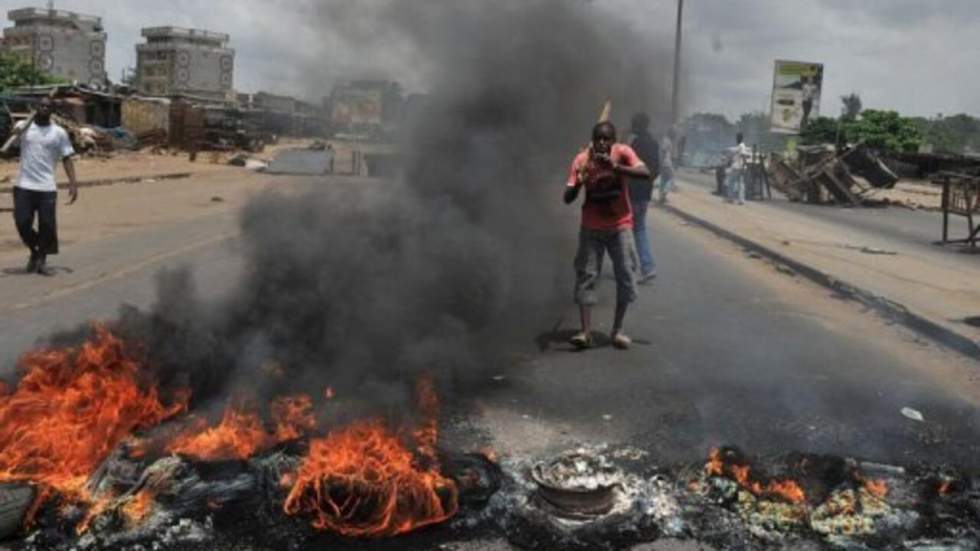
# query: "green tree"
[[884, 130], [15, 72], [956, 134], [819, 130]]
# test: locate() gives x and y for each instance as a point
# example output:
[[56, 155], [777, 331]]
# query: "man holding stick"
[[42, 145], [607, 226]]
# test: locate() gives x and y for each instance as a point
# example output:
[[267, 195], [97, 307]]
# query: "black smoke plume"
[[451, 269]]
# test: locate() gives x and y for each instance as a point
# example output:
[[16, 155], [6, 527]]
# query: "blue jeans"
[[735, 182], [642, 238]]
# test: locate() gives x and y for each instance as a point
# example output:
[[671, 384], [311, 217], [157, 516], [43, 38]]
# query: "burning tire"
[[14, 501]]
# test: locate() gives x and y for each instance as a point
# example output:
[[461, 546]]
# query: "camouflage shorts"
[[592, 247]]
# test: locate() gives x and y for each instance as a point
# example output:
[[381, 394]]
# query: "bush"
[[881, 130], [15, 72]]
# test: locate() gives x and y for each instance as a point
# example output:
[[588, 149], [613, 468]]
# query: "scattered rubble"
[[590, 497]]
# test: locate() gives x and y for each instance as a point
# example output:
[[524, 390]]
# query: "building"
[[189, 62], [274, 102], [63, 44]]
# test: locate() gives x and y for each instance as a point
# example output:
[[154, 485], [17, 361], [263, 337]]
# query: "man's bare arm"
[[72, 182], [571, 193]]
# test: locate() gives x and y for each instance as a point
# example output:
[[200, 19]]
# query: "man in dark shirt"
[[607, 226], [641, 192]]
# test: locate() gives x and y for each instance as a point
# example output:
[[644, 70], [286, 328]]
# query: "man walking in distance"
[[735, 179], [42, 145], [607, 226], [641, 192]]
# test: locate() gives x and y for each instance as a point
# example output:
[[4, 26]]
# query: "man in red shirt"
[[607, 226]]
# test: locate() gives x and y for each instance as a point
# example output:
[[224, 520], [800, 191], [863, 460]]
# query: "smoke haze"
[[455, 267]]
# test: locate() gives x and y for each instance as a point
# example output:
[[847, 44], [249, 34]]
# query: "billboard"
[[795, 95], [357, 108]]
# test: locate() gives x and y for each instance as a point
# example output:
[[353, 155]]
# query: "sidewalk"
[[929, 288]]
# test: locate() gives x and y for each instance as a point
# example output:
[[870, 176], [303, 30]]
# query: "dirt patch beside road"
[[106, 211]]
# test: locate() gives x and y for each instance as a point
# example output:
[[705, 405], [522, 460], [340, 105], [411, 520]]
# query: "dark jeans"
[[28, 202], [642, 238]]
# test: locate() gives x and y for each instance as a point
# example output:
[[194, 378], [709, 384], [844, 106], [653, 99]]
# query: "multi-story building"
[[63, 44], [177, 61]]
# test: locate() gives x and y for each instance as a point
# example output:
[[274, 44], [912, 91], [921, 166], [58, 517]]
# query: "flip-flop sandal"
[[621, 341], [581, 340]]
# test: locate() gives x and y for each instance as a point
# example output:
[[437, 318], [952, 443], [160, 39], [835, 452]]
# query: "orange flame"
[[944, 487], [241, 433], [138, 508], [293, 416], [877, 488], [788, 490], [490, 454], [69, 410], [715, 466], [363, 482]]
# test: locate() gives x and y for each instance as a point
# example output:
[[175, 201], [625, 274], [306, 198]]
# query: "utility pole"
[[674, 101]]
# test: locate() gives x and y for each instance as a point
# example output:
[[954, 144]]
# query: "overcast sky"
[[916, 56]]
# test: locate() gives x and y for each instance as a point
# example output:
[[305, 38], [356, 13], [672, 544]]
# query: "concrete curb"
[[114, 181], [108, 182], [888, 308]]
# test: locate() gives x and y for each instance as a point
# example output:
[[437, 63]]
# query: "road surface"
[[727, 351]]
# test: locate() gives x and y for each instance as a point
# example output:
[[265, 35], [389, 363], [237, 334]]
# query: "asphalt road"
[[722, 359], [727, 351], [93, 280]]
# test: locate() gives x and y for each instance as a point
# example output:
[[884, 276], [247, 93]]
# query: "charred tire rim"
[[576, 501]]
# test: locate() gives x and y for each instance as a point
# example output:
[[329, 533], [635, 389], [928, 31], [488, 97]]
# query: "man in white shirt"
[[42, 145], [735, 179]]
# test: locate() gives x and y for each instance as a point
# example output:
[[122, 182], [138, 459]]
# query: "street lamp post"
[[674, 109]]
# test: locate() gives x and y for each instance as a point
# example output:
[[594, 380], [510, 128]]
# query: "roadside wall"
[[141, 115]]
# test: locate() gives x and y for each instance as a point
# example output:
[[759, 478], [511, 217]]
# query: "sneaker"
[[581, 340], [647, 278], [621, 341], [741, 202]]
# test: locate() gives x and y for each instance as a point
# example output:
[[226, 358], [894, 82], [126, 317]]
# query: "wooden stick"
[[16, 132], [606, 112]]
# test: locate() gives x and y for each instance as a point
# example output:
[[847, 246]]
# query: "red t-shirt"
[[607, 203]]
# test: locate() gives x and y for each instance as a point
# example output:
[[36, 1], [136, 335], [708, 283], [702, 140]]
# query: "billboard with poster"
[[795, 95]]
